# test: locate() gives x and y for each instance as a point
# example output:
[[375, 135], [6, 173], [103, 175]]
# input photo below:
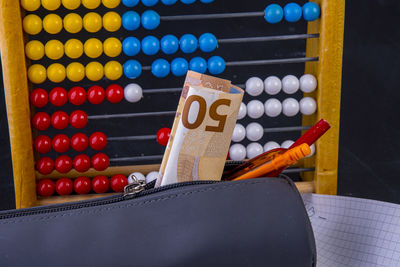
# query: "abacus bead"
[[271, 145], [52, 24], [81, 163], [179, 66], [39, 97], [59, 120], [58, 96], [188, 2], [160, 68], [91, 4], [139, 176], [133, 93], [56, 73], [79, 142], [130, 20], [132, 69], [98, 141], [198, 64], [111, 3], [45, 188], [60, 143], [254, 86], [114, 93], [151, 176], [71, 4], [37, 73], [94, 71], [308, 83], [113, 70], [169, 2], [100, 184], [239, 133], [308, 106], [188, 43], [78, 119], [253, 150], [45, 165], [130, 3], [273, 107], [96, 94], [290, 107], [242, 111], [77, 96], [82, 185], [311, 11], [64, 186], [163, 136], [34, 50], [290, 84], [286, 144], [112, 21], [149, 3], [150, 20], [42, 144], [118, 182], [169, 44], [93, 48], [75, 72], [73, 23], [237, 152], [30, 5], [208, 42], [112, 47], [131, 46], [51, 4], [150, 45], [100, 162], [255, 109], [292, 12], [216, 65], [41, 121], [54, 49], [273, 13], [73, 48], [254, 131], [32, 24], [272, 85], [92, 22]]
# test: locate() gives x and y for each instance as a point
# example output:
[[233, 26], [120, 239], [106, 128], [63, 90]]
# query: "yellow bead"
[[112, 47], [32, 24], [56, 73], [92, 22], [54, 49], [37, 73], [111, 3], [113, 70], [91, 4], [71, 4], [52, 24], [112, 21], [51, 4], [73, 23], [93, 48], [30, 5], [34, 50], [94, 71], [73, 48], [75, 72]]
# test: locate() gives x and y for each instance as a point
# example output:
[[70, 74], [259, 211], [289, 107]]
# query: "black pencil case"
[[257, 222]]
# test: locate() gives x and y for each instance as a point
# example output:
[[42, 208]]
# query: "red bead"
[[78, 119], [100, 162], [58, 96], [39, 98], [64, 186], [96, 95], [115, 93], [41, 121], [60, 143], [42, 144], [118, 182], [45, 188], [98, 141], [100, 184], [63, 164], [163, 136], [79, 142], [82, 185], [77, 96], [45, 165], [59, 120], [81, 163]]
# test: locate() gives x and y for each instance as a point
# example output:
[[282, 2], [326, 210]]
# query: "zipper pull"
[[135, 187]]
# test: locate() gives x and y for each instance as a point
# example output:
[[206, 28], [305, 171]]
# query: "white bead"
[[308, 83], [272, 85], [272, 107], [239, 133], [287, 144], [237, 152], [312, 147], [133, 92], [308, 106], [271, 145], [290, 107], [254, 86], [290, 84], [242, 111], [254, 131], [138, 176], [253, 150], [151, 176], [255, 109]]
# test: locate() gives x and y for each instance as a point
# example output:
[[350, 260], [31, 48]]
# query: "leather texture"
[[258, 222]]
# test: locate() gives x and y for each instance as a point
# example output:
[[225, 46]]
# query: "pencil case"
[[256, 222]]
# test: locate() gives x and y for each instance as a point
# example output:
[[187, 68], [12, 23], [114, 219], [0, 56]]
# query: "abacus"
[[92, 86]]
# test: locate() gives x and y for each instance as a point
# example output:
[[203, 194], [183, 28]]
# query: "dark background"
[[369, 164]]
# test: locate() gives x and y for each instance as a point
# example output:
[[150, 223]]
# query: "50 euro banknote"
[[202, 130]]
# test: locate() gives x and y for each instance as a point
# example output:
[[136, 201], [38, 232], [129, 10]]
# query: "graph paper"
[[354, 232]]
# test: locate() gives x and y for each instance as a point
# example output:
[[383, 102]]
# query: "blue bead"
[[132, 69], [292, 12], [131, 46], [150, 45], [160, 68], [169, 44], [198, 64], [188, 43], [206, 1], [149, 2], [130, 20], [130, 3], [179, 66], [188, 1], [273, 13], [311, 11], [208, 42], [150, 20], [216, 65], [169, 2]]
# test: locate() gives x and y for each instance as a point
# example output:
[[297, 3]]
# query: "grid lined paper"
[[354, 232]]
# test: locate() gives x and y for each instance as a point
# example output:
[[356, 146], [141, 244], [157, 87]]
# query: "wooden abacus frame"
[[328, 47]]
